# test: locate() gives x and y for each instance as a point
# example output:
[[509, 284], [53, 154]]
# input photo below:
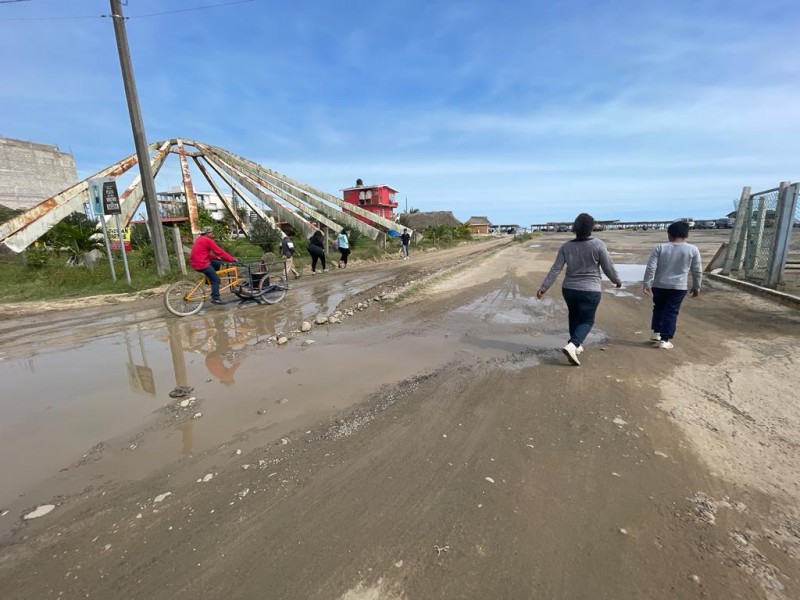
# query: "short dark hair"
[[678, 229], [583, 225]]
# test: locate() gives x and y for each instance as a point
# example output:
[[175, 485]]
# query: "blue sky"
[[522, 111]]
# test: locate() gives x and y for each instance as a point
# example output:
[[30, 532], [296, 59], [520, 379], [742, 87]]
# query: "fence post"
[[737, 241], [784, 221]]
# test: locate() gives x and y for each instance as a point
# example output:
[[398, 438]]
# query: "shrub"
[[37, 257]]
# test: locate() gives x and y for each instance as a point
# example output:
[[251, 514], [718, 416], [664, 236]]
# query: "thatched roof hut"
[[423, 220]]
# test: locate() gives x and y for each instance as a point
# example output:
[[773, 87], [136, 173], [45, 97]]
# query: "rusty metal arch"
[[305, 207]]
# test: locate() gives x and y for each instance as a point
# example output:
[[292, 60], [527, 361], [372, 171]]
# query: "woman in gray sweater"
[[584, 257]]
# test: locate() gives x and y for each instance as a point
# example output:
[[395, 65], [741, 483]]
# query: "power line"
[[181, 10], [169, 12]]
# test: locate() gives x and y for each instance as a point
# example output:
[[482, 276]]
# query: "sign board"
[[111, 204], [140, 379], [114, 239], [96, 196]]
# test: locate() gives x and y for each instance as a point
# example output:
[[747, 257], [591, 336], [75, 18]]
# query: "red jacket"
[[203, 250]]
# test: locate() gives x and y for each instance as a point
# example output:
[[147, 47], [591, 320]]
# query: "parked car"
[[725, 223], [705, 224], [563, 228], [599, 227], [688, 220]]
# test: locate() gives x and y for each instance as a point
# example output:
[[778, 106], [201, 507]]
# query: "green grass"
[[52, 279], [19, 281]]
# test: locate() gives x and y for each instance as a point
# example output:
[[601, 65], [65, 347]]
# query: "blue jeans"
[[666, 306], [582, 308], [211, 272]]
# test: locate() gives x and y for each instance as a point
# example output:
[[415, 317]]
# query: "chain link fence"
[[760, 235], [764, 237]]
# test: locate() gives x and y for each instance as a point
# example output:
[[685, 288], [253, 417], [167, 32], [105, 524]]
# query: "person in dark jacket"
[[405, 239], [316, 248], [584, 257]]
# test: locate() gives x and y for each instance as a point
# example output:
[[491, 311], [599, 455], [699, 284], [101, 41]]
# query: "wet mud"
[[431, 441]]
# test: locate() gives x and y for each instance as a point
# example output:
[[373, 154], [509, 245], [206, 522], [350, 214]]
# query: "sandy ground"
[[432, 444]]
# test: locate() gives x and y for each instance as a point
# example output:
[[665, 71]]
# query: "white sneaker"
[[570, 351], [655, 337], [665, 345], [579, 350]]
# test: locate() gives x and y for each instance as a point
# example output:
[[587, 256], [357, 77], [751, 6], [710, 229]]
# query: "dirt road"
[[434, 443]]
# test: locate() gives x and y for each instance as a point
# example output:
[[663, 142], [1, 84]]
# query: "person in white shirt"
[[287, 251], [666, 279]]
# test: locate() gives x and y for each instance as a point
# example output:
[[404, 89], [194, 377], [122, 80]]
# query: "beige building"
[[31, 172]]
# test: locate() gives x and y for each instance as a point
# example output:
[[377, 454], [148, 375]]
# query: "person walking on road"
[[584, 257], [316, 248], [206, 256], [405, 239], [666, 278], [287, 251], [343, 244]]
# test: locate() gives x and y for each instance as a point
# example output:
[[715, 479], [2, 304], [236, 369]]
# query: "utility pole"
[[140, 140]]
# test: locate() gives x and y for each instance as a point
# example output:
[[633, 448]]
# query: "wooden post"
[[784, 221], [176, 237], [737, 241]]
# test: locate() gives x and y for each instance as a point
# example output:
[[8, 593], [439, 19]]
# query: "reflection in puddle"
[[629, 272], [631, 275]]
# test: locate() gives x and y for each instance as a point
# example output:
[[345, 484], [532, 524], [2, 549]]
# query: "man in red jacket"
[[204, 258]]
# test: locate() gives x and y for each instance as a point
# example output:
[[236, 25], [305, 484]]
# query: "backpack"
[[336, 244]]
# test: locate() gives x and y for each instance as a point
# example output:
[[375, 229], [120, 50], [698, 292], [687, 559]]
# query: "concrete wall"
[[31, 172]]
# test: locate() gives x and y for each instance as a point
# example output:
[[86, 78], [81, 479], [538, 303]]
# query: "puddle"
[[96, 408], [629, 273], [621, 293], [101, 412], [507, 305]]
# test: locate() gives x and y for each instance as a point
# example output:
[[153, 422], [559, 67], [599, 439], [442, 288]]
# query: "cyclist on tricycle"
[[206, 257]]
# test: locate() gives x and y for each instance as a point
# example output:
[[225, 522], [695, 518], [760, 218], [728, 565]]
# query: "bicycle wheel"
[[184, 298], [273, 288]]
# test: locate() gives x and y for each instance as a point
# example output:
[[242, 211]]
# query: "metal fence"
[[762, 235]]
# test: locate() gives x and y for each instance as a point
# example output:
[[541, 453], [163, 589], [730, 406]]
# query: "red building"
[[377, 199]]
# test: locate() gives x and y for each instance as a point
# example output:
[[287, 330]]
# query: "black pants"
[[317, 254], [666, 305], [582, 307], [345, 252]]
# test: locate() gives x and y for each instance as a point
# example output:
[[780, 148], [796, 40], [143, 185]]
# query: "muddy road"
[[430, 442]]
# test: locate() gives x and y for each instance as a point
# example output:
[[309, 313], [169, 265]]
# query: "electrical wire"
[[169, 12], [181, 10]]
